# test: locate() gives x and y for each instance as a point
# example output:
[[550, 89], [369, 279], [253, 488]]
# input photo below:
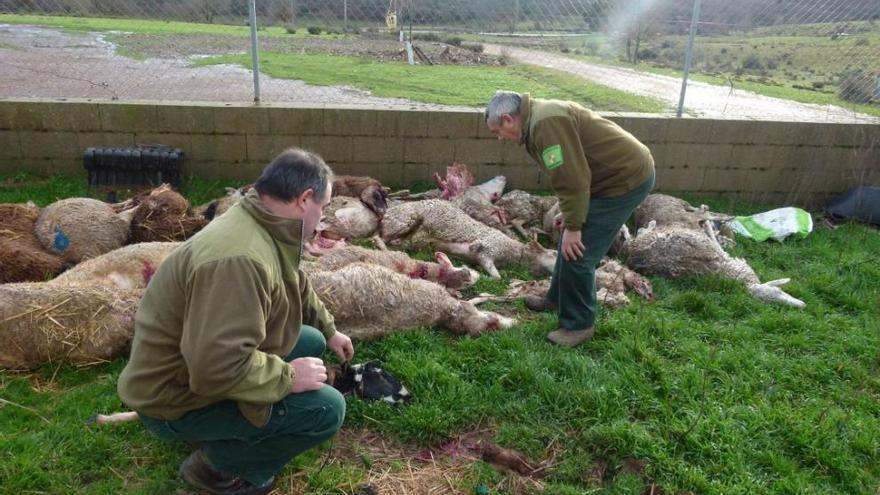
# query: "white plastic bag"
[[777, 224]]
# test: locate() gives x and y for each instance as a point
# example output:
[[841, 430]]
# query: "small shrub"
[[290, 29], [724, 50], [647, 54], [818, 84], [453, 40], [474, 47], [432, 37], [752, 62], [564, 49], [856, 86], [862, 42], [314, 29]]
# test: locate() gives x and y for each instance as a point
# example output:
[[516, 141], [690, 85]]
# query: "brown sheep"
[[22, 257], [163, 215], [369, 190]]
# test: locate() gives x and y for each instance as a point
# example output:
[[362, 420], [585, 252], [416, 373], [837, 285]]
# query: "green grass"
[[453, 85], [715, 391], [148, 26]]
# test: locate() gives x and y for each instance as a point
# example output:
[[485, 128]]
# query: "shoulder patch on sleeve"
[[552, 156]]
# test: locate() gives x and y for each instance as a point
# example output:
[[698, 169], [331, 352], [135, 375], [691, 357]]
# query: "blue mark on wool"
[[61, 241]]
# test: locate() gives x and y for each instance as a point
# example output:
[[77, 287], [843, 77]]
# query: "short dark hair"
[[292, 173]]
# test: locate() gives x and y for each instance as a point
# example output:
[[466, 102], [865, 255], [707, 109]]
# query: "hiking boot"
[[570, 338], [198, 472], [538, 303]]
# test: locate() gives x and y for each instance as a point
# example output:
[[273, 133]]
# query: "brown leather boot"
[[570, 338], [198, 472], [538, 303]]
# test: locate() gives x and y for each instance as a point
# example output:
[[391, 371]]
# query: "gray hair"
[[504, 102], [292, 173]]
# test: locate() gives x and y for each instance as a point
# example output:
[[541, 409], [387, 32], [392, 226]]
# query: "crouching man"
[[229, 334]]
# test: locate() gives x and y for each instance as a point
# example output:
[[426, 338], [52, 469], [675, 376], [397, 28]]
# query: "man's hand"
[[310, 374], [572, 248], [341, 345]]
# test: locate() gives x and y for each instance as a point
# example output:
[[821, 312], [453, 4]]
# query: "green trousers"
[[573, 285], [235, 446]]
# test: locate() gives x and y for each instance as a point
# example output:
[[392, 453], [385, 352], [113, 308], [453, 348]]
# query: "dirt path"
[[41, 62], [704, 100]]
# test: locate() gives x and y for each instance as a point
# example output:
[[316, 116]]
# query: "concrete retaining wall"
[[763, 161]]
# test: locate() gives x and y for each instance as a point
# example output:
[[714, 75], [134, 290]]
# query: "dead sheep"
[[127, 268], [478, 203], [436, 224], [81, 324], [81, 228], [369, 301], [666, 210], [370, 191], [217, 207], [442, 272], [525, 212], [22, 256], [675, 251], [613, 280], [163, 215]]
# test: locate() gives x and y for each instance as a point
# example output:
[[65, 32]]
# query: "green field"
[[715, 392]]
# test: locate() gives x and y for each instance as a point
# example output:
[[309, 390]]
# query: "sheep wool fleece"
[[216, 328], [601, 173]]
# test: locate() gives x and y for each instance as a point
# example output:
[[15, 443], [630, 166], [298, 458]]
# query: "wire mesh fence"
[[810, 60]]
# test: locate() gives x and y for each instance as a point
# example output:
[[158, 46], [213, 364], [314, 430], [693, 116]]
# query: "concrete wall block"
[[222, 170], [10, 144], [453, 124], [709, 155], [781, 133], [680, 178], [756, 155], [526, 177], [333, 149], [729, 132], [49, 145], [414, 123], [241, 120], [219, 148], [105, 140], [297, 121], [479, 151], [377, 149], [389, 174], [726, 179], [174, 140], [128, 117], [686, 130], [49, 116], [349, 122], [387, 123], [262, 147], [649, 131], [185, 119], [429, 151], [417, 172]]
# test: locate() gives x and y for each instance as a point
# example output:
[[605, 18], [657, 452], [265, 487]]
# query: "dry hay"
[[42, 323], [81, 228], [163, 215], [22, 257], [395, 468]]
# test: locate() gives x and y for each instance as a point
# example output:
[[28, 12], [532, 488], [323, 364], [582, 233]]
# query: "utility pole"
[[689, 56]]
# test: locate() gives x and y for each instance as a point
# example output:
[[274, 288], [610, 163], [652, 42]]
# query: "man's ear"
[[306, 195]]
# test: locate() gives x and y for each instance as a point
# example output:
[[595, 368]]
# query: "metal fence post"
[[255, 56], [689, 56]]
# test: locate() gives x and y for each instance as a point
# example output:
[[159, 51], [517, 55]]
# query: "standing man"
[[229, 333], [600, 173]]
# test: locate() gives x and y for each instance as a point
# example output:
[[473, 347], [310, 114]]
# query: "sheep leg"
[[517, 224]]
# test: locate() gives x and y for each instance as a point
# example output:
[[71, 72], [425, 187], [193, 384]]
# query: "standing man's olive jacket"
[[218, 317], [584, 153]]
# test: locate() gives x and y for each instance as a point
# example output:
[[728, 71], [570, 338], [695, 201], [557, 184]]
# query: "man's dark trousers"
[[573, 285], [235, 446]]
